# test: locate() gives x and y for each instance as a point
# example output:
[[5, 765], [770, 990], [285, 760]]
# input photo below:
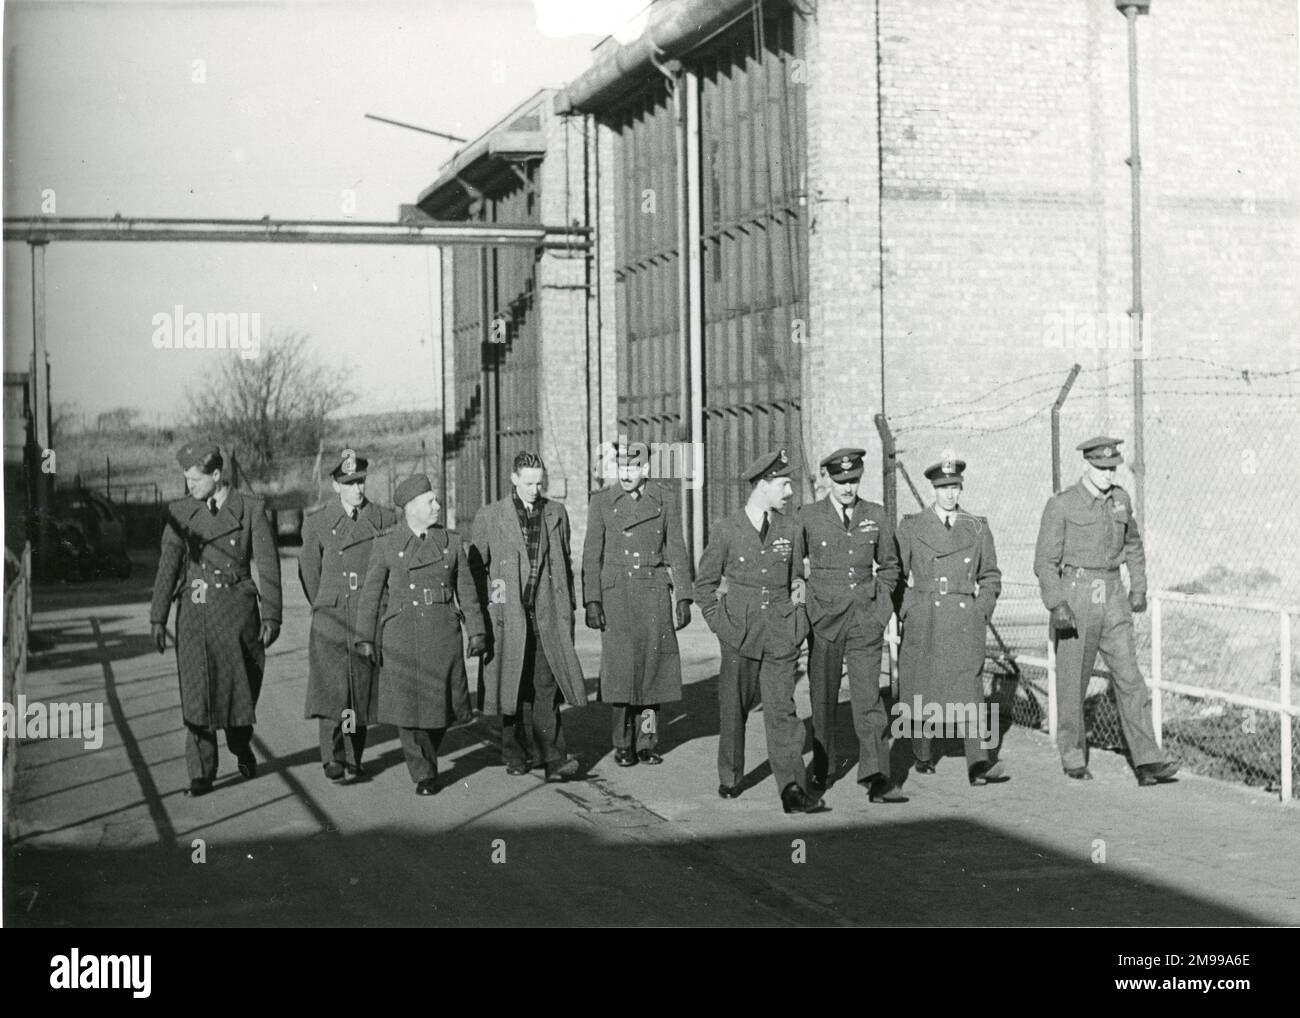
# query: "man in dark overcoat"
[[760, 623], [522, 551], [417, 591], [336, 544], [852, 573], [225, 621], [634, 565], [953, 581]]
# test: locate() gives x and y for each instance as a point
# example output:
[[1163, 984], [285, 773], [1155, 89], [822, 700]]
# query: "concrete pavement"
[[107, 837]]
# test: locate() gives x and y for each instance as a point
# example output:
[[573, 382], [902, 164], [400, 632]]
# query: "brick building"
[[915, 206]]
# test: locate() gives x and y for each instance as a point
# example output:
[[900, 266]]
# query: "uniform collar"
[[1092, 491]]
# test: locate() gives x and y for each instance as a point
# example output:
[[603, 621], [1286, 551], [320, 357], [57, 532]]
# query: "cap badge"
[[1108, 451], [349, 465], [846, 463], [783, 457]]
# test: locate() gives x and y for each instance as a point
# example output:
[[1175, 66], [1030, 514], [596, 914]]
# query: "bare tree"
[[270, 407]]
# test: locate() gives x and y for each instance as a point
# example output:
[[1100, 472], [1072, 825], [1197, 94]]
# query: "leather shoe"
[[1078, 773], [987, 773], [795, 800], [356, 773], [335, 771], [1156, 773], [729, 791], [519, 767], [816, 784], [649, 756], [625, 758], [562, 770], [924, 767], [200, 786], [248, 766], [882, 789], [429, 786]]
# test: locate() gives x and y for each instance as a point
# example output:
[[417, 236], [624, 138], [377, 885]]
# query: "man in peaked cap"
[[950, 564], [634, 568], [1087, 531], [336, 546], [417, 643], [760, 623], [224, 621], [852, 572]]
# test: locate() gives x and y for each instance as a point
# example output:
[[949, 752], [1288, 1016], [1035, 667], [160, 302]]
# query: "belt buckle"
[[636, 560], [767, 597], [352, 581], [428, 596], [943, 584]]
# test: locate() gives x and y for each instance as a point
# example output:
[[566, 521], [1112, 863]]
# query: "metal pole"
[[1131, 11], [1056, 427], [488, 403], [1157, 670], [694, 537], [40, 382], [684, 258], [1284, 699], [1051, 685]]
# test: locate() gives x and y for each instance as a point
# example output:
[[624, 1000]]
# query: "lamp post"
[[1131, 9]]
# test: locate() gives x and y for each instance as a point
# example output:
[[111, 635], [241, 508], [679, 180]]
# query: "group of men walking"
[[399, 601]]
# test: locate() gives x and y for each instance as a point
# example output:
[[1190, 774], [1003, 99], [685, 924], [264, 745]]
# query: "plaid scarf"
[[531, 525]]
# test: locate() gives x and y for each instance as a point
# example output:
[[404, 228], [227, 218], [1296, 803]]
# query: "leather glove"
[[1137, 603], [477, 646], [158, 634], [683, 614], [270, 633], [595, 616], [1063, 618], [366, 649]]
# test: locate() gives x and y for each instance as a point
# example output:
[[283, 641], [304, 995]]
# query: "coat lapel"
[[366, 527], [507, 522], [933, 534]]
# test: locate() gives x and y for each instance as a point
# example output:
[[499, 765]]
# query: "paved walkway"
[[107, 837]]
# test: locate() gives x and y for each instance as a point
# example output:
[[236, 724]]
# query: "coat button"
[[399, 554], [823, 544], [232, 540], [742, 558], [936, 604], [412, 586], [961, 604]]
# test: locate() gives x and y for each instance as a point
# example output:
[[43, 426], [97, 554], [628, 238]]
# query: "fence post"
[[1056, 426], [1051, 685], [1284, 700], [888, 466], [1157, 703]]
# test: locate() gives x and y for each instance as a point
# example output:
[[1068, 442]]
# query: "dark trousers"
[[534, 726], [972, 747], [420, 748], [339, 747], [860, 647], [741, 682], [1105, 626], [635, 727], [201, 748]]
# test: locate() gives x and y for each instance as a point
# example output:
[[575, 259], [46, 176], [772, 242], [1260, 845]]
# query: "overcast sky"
[[102, 107]]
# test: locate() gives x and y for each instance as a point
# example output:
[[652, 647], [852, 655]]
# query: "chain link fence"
[[1221, 526]]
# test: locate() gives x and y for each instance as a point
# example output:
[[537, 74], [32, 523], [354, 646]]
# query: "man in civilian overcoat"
[[224, 620], [336, 545], [417, 591], [521, 550], [634, 565]]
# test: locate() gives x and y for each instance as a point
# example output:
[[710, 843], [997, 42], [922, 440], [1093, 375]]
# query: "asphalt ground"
[[108, 837]]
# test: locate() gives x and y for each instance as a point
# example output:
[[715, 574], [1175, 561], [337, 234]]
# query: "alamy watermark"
[[679, 460], [1076, 329], [179, 329], [934, 720], [38, 720]]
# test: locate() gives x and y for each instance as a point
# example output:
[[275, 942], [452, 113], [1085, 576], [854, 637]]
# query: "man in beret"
[[225, 621], [417, 591], [1087, 531], [950, 564], [852, 572], [760, 623], [335, 555], [634, 564], [521, 552]]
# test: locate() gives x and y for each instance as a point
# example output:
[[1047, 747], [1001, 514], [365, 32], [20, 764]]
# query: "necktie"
[[762, 531], [947, 521], [212, 506], [848, 518], [353, 514]]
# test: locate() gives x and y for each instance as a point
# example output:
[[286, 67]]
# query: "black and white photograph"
[[619, 464]]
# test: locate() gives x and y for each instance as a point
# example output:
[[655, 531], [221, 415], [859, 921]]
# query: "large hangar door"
[[754, 250]]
